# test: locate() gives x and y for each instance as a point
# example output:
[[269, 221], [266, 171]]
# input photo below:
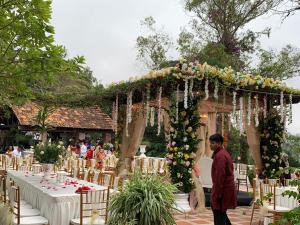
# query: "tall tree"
[[224, 21], [153, 47], [29, 59], [282, 65]]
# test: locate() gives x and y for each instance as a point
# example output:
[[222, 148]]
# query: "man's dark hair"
[[216, 138]]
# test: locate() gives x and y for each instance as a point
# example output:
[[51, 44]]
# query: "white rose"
[[184, 139], [187, 147], [42, 152], [273, 160], [60, 156], [59, 146], [173, 143]]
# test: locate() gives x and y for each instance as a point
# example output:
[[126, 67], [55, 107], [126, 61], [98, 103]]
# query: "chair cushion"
[[86, 221], [26, 206], [277, 208], [29, 212], [35, 220]]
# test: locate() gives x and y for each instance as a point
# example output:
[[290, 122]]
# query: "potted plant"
[[49, 154], [144, 200]]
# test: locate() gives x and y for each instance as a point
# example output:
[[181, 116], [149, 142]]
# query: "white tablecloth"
[[57, 202]]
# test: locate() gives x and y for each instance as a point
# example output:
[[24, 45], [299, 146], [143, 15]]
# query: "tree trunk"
[[44, 135]]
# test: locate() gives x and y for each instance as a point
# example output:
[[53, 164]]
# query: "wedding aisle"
[[239, 216]]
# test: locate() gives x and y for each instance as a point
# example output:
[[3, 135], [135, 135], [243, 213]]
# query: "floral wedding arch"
[[187, 98]]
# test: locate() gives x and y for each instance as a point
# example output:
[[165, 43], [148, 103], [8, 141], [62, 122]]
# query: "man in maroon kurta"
[[223, 195]]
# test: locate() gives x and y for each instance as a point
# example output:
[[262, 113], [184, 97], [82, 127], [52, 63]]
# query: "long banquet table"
[[57, 202]]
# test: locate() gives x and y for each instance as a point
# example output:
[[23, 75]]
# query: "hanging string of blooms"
[[241, 122], [249, 113], [206, 89], [177, 103], [265, 106], [216, 89], [129, 111], [186, 86], [116, 114], [290, 119], [281, 107], [191, 87], [147, 105], [152, 112], [159, 111], [256, 110], [234, 106]]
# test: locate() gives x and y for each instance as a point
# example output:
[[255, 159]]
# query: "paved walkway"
[[239, 216]]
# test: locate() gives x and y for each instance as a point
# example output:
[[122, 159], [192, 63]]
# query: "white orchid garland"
[[281, 107], [186, 86], [234, 106], [152, 112], [241, 122], [206, 89], [159, 111], [216, 96], [129, 111], [177, 103], [256, 110], [191, 87], [249, 113], [290, 109], [116, 105], [265, 106], [147, 105]]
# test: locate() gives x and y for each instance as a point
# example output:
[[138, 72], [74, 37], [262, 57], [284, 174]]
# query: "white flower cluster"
[[129, 111], [191, 87]]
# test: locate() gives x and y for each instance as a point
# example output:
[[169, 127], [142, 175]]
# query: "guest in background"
[[10, 151], [100, 155], [83, 149], [90, 153], [17, 151]]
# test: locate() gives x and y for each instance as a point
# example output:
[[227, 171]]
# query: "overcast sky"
[[105, 31]]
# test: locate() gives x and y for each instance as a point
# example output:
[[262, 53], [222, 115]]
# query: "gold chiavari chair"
[[275, 211], [90, 176], [3, 195], [93, 207], [32, 218]]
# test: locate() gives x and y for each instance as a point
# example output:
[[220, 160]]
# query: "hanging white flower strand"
[[241, 122], [256, 110], [152, 111], [147, 106], [216, 96], [177, 103], [265, 106], [233, 106], [206, 89], [128, 113], [249, 110], [290, 119], [159, 111], [186, 86], [191, 87], [281, 107], [116, 114]]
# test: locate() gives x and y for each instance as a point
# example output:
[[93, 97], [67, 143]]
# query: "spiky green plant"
[[145, 200]]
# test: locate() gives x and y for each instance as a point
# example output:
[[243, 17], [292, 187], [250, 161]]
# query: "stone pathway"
[[239, 216]]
